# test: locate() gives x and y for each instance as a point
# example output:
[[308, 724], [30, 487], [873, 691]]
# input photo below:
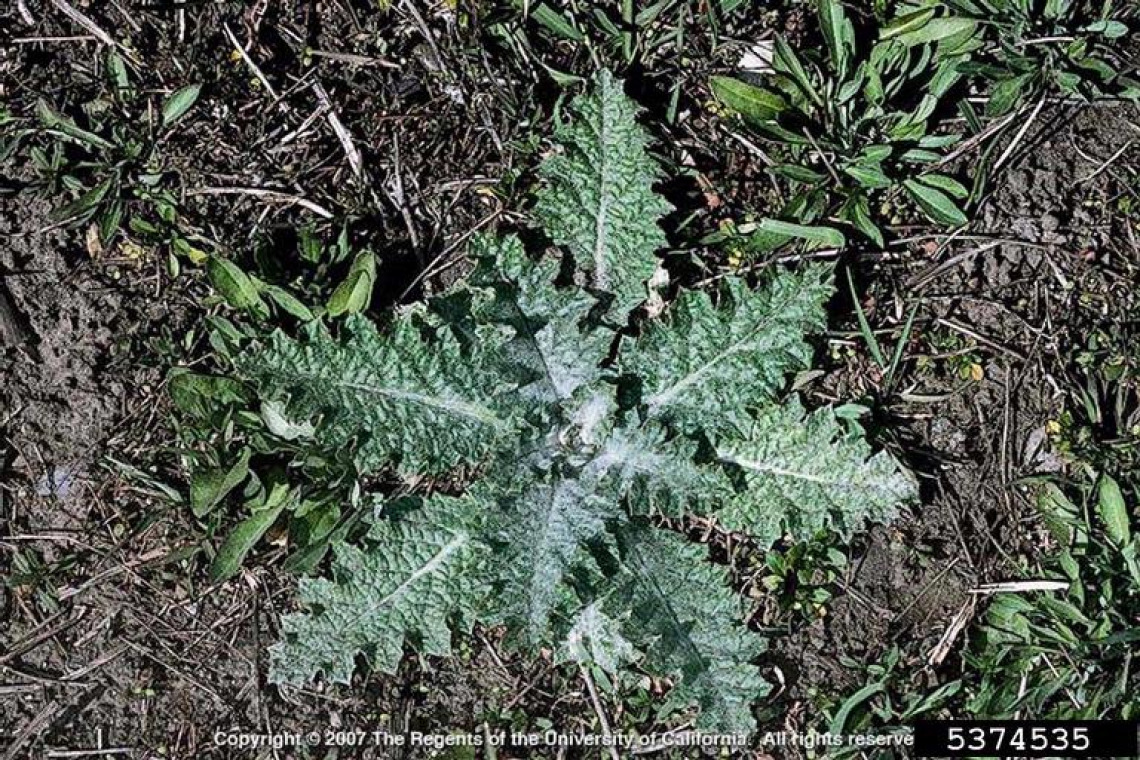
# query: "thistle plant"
[[549, 436]]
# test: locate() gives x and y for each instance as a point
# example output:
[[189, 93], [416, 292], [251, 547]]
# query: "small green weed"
[[1068, 654], [853, 125], [1034, 47], [1101, 424], [625, 32], [884, 705], [109, 162], [802, 576]]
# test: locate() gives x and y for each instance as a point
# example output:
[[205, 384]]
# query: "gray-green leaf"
[[209, 486], [803, 474], [179, 102], [1113, 511], [598, 200]]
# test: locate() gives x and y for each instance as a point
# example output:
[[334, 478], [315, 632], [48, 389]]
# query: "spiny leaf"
[[420, 574], [553, 347], [545, 533], [657, 473], [403, 398], [703, 367], [802, 473], [598, 200], [687, 622], [574, 446], [595, 638]]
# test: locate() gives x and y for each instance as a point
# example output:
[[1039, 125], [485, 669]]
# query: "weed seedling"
[[852, 127]]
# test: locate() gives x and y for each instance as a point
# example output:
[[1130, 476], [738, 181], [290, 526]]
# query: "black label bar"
[[1025, 738]]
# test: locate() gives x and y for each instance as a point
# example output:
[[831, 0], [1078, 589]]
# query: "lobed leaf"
[[686, 621], [598, 200], [421, 573], [704, 366], [399, 397], [802, 474]]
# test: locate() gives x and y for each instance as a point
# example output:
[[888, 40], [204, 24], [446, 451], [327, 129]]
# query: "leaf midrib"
[[475, 412], [659, 400]]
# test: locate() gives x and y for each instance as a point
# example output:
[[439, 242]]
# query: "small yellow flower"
[[129, 249]]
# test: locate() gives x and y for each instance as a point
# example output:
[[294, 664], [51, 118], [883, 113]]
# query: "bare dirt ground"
[[1048, 261], [112, 639]]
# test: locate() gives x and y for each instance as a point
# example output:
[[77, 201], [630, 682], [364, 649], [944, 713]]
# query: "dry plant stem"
[[597, 703], [957, 625], [1020, 135], [342, 134], [981, 137], [84, 21], [249, 62], [25, 14], [1104, 166], [1019, 586], [272, 196]]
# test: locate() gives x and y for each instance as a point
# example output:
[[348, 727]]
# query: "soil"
[[1047, 237], [112, 639]]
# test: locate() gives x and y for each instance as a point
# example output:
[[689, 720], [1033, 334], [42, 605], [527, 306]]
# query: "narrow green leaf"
[[354, 294], [109, 220], [199, 395], [1113, 510], [838, 34], [864, 326], [798, 173], [825, 236], [1109, 28], [1007, 94], [839, 721], [83, 206], [786, 61], [946, 184], [554, 21], [870, 177], [233, 284], [179, 102], [751, 102], [938, 206], [248, 532], [117, 73], [906, 23], [209, 486], [936, 30], [56, 121], [857, 210], [288, 302]]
